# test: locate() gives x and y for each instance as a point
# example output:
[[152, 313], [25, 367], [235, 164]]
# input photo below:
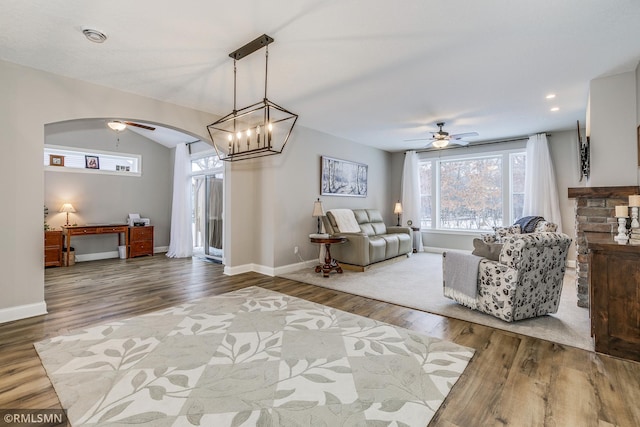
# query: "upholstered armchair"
[[525, 281]]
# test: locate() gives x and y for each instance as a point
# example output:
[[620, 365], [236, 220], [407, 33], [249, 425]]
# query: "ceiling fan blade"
[[459, 142], [151, 128], [418, 139], [459, 136]]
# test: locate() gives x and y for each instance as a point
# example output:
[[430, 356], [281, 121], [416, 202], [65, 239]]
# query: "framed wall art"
[[56, 160], [343, 178], [92, 162]]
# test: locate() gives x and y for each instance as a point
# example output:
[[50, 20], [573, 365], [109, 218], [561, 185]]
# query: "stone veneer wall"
[[595, 208]]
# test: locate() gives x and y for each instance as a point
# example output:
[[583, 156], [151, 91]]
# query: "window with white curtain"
[[473, 192]]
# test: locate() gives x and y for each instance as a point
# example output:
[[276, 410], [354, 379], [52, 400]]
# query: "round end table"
[[330, 264]]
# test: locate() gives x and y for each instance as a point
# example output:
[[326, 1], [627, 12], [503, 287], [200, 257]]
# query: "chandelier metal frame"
[[259, 130]]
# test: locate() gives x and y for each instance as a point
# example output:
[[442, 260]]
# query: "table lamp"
[[67, 207], [397, 209], [318, 211]]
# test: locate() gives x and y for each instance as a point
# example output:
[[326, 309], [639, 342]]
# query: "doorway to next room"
[[207, 184]]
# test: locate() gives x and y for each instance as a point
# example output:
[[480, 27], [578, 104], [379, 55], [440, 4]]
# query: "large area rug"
[[251, 357], [416, 282]]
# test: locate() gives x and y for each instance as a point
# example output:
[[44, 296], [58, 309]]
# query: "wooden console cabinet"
[[614, 272], [140, 241], [53, 248]]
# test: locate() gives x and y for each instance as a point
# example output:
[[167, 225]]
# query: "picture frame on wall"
[[343, 178], [56, 160], [91, 162]]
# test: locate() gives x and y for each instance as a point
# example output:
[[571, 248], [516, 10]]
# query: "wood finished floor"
[[512, 380]]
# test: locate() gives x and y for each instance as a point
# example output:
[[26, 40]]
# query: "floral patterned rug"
[[251, 357]]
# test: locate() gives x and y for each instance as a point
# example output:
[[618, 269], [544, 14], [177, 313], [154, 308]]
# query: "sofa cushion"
[[487, 250], [374, 215], [377, 249]]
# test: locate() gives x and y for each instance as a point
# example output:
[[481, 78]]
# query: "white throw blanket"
[[345, 220], [460, 274]]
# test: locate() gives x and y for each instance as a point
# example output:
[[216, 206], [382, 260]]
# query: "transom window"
[[71, 159]]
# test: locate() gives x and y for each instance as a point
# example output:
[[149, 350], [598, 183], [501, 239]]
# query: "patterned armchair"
[[525, 282]]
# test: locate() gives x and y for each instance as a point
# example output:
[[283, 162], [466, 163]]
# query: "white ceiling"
[[371, 71]]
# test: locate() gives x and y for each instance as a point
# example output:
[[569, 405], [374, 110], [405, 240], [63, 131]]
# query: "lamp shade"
[[67, 207], [622, 211], [318, 210], [397, 209]]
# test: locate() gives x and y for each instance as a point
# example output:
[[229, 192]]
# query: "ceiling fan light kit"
[[259, 130], [116, 125], [441, 139]]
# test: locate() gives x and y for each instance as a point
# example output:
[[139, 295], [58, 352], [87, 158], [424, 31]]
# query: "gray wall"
[[563, 147], [271, 199], [102, 198], [30, 100], [268, 206], [613, 121]]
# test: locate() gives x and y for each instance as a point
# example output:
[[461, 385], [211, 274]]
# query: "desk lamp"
[[67, 207], [318, 211], [397, 209]]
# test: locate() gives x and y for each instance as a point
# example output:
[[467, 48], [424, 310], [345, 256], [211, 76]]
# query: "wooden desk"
[[85, 230], [614, 276]]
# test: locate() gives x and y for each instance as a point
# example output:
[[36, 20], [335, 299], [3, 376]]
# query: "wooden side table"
[[330, 264]]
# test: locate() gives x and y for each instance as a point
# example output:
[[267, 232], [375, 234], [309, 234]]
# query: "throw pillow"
[[488, 238], [487, 250], [502, 233], [546, 226]]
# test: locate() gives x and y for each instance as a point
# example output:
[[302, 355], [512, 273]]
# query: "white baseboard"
[[96, 256], [268, 271], [112, 254], [23, 311]]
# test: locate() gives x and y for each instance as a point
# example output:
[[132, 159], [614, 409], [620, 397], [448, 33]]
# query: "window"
[[476, 192], [71, 159], [518, 163], [426, 178]]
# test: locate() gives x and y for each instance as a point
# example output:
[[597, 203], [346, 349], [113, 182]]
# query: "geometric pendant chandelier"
[[259, 130]]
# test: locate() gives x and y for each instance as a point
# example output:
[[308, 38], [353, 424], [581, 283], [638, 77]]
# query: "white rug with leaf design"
[[251, 357]]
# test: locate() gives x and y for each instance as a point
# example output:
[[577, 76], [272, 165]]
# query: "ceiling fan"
[[441, 139], [119, 126]]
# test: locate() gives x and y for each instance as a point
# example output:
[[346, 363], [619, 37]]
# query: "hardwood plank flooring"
[[512, 380]]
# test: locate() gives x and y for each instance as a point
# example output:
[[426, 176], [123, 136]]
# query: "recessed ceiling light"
[[555, 109], [94, 35], [551, 96]]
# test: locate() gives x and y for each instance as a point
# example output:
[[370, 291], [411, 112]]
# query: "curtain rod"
[[454, 147]]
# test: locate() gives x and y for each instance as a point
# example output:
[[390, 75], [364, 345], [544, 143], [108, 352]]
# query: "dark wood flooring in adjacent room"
[[512, 380]]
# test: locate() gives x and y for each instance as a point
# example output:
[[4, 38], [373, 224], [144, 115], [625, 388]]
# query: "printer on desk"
[[134, 220]]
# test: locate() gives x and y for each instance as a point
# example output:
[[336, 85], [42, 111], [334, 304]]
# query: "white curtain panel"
[[181, 241], [411, 191], [540, 191]]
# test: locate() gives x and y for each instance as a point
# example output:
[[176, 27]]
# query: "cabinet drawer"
[[141, 233], [141, 248], [122, 229], [84, 230], [52, 238]]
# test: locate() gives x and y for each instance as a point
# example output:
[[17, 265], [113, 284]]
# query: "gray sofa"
[[374, 243]]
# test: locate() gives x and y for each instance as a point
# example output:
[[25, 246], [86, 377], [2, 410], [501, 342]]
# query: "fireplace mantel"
[[602, 192]]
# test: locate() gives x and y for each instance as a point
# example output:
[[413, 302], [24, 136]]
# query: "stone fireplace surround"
[[595, 209]]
